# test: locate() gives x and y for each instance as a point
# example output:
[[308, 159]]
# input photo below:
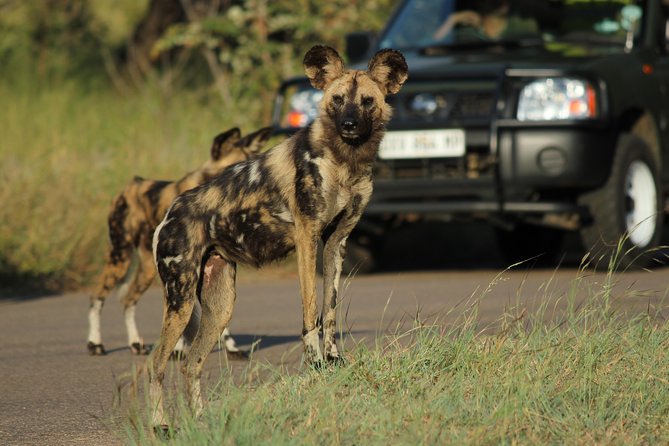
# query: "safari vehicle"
[[540, 117]]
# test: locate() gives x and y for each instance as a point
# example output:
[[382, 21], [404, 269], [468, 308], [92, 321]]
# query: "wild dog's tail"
[[121, 236]]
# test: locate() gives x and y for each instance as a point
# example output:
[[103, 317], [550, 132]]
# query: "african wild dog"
[[314, 184], [134, 215]]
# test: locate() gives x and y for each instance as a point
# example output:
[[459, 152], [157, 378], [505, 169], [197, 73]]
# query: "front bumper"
[[549, 158], [536, 170]]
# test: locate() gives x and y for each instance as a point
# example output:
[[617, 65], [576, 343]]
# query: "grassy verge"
[[585, 375], [66, 153]]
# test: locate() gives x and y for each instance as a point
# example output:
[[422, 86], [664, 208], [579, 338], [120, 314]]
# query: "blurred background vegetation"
[[94, 92]]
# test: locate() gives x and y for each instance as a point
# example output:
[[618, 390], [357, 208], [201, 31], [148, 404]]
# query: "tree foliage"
[[252, 44], [245, 47], [186, 69]]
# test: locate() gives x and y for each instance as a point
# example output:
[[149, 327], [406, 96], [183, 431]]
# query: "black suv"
[[540, 117]]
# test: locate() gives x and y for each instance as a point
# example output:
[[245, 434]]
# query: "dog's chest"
[[337, 188]]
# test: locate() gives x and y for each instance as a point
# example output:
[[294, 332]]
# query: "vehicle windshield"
[[466, 23]]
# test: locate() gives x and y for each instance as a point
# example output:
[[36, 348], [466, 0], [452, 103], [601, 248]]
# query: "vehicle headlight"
[[301, 106], [558, 98]]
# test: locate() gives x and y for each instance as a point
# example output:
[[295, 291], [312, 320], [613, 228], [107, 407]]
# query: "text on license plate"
[[423, 144]]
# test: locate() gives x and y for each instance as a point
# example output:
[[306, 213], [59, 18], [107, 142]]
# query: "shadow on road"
[[471, 245], [261, 342], [21, 286]]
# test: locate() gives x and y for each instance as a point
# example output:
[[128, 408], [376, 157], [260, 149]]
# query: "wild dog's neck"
[[190, 180], [195, 178], [323, 135]]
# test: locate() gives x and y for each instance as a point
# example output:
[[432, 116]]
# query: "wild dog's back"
[[251, 198]]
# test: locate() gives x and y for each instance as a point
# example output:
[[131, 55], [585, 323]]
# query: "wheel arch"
[[642, 124]]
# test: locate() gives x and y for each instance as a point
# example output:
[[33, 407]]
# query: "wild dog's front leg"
[[333, 256], [306, 264], [334, 251]]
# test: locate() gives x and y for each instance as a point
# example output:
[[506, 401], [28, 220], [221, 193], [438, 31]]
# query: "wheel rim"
[[640, 204]]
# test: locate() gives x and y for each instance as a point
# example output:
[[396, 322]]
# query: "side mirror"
[[358, 45]]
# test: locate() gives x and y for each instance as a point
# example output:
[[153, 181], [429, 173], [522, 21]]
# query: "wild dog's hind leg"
[[112, 274], [178, 261], [142, 281], [217, 299], [176, 314], [115, 270]]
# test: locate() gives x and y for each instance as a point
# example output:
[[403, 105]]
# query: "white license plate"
[[423, 144]]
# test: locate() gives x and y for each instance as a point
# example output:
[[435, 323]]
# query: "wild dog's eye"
[[338, 99], [367, 101]]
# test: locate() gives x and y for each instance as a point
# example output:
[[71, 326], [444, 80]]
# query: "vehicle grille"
[[465, 104], [443, 105], [474, 165], [473, 105]]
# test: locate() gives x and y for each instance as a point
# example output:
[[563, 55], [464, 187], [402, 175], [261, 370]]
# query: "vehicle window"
[[415, 23], [422, 23]]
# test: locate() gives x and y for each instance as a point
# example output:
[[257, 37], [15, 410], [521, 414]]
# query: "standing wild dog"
[[314, 185], [134, 215]]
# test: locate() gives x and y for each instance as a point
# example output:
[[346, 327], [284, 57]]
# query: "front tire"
[[626, 212]]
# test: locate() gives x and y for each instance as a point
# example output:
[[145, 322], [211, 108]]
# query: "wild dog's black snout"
[[349, 124]]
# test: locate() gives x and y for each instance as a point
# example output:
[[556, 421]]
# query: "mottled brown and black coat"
[[314, 184]]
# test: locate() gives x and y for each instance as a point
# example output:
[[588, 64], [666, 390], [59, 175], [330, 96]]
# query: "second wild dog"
[[133, 217]]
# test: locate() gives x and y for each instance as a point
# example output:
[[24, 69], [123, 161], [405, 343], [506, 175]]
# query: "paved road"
[[53, 393]]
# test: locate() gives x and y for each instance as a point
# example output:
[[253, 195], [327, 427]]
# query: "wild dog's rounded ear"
[[224, 142], [322, 65], [255, 141], [389, 69]]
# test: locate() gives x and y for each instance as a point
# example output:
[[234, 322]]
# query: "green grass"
[[65, 153], [585, 375]]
